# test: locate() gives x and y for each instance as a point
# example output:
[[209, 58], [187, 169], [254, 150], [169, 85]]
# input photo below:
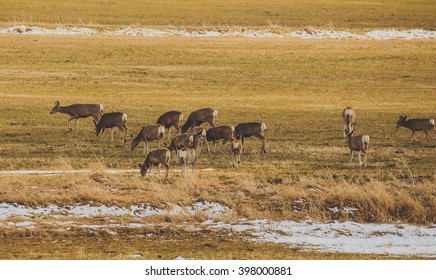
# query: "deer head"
[[55, 108]]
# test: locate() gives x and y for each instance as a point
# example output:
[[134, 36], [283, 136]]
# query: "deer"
[[220, 132], [349, 118], [170, 119], [181, 141], [415, 125], [199, 117], [359, 143], [156, 158], [186, 140], [79, 111], [111, 120], [189, 155], [249, 129], [236, 148], [154, 132]]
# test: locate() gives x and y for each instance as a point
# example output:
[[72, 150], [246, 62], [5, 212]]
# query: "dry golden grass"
[[284, 199], [225, 14]]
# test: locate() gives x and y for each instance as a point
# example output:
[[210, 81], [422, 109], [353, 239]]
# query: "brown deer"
[[199, 117], [358, 143], [349, 118], [180, 141], [148, 133], [156, 158], [111, 120], [78, 111], [189, 155], [246, 130], [415, 125], [236, 152], [170, 119], [220, 132]]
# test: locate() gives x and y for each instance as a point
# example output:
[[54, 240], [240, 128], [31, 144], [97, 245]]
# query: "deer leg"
[[413, 136], [360, 161], [426, 135], [207, 145], [239, 159], [77, 124], [102, 133], [351, 158], [68, 123], [167, 166], [214, 145], [158, 170], [112, 134], [169, 134], [262, 138], [365, 160]]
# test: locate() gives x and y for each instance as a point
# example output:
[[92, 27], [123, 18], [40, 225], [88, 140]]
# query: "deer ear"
[[405, 117], [57, 103], [95, 123]]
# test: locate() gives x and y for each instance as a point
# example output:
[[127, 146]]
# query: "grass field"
[[277, 14], [297, 87]]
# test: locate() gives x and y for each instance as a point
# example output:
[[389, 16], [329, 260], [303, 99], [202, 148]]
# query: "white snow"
[[384, 34], [8, 210], [344, 237]]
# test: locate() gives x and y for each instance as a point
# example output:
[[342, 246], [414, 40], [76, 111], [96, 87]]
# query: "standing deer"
[[236, 152], [246, 130], [349, 118], [417, 125], [189, 155], [220, 132], [79, 111], [198, 117], [156, 158], [358, 143], [148, 133], [181, 141], [170, 119], [111, 120]]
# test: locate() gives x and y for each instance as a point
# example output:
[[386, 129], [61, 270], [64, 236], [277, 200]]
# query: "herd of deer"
[[187, 144]]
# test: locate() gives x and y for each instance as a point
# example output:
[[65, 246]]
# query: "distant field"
[[278, 14]]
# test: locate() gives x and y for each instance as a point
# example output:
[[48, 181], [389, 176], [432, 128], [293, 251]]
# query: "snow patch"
[[8, 210], [384, 34]]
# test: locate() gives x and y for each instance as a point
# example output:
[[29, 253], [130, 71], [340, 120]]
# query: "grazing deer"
[[236, 152], [156, 158], [220, 132], [358, 143], [169, 119], [415, 125], [246, 130], [79, 111], [111, 120], [189, 155], [198, 117], [349, 118], [148, 133]]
